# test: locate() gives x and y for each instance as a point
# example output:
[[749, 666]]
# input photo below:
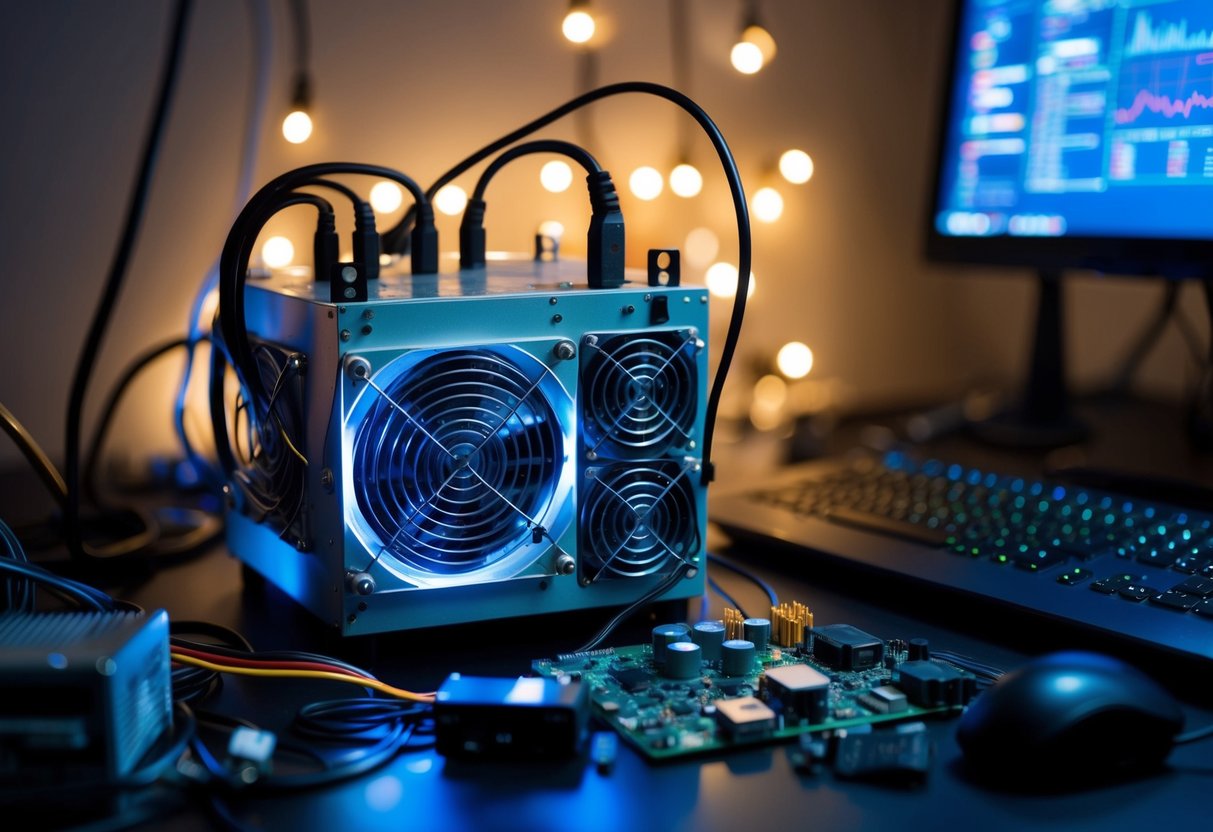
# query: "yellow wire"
[[291, 445], [361, 682]]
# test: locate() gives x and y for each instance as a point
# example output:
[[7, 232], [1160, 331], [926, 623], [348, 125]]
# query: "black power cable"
[[117, 273], [394, 239], [472, 242]]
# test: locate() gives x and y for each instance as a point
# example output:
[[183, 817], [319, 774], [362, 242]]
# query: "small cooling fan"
[[638, 520], [458, 464], [639, 406], [639, 393]]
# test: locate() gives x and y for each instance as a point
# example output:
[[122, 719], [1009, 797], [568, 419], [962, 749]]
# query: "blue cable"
[[772, 596], [728, 598], [19, 592]]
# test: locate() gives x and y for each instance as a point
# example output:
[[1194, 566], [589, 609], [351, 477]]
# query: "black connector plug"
[[472, 238], [424, 242], [366, 241], [325, 246], [605, 239]]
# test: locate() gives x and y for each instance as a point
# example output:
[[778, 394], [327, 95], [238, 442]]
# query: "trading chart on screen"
[[1081, 117]]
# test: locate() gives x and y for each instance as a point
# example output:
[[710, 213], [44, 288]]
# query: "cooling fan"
[[484, 444], [458, 463], [639, 400]]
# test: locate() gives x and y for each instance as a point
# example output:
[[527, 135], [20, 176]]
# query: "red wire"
[[266, 664]]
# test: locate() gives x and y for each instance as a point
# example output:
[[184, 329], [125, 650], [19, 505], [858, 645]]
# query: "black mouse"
[[1069, 718]]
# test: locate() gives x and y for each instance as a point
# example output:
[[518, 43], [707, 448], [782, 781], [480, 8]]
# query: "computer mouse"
[[1069, 718]]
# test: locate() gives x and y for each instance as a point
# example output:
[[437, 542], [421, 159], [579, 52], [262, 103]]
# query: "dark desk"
[[751, 790]]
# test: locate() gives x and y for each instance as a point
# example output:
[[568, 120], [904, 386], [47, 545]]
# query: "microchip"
[[843, 647], [801, 690], [744, 717], [884, 700], [930, 684], [631, 679]]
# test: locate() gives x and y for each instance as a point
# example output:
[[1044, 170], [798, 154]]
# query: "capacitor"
[[737, 657], [682, 660], [920, 650], [666, 634], [709, 635], [758, 631]]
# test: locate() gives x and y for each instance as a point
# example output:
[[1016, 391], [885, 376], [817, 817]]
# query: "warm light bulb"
[[794, 359], [646, 183], [721, 280], [297, 127], [578, 25], [796, 166], [277, 252], [386, 197], [761, 38], [702, 246], [767, 204], [451, 200], [746, 58], [686, 181], [556, 176], [551, 229]]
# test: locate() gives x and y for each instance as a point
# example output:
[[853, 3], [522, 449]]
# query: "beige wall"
[[419, 84]]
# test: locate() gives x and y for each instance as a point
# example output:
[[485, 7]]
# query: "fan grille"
[[456, 459], [639, 394], [636, 518]]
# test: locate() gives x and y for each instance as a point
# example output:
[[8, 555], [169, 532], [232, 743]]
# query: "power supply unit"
[[83, 695], [474, 444]]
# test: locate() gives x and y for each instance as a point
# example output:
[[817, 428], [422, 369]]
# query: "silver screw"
[[565, 350]]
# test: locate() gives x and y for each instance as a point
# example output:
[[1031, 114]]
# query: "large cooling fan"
[[637, 519], [458, 464], [638, 394]]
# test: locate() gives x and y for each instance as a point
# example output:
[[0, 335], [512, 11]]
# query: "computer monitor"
[[1076, 134]]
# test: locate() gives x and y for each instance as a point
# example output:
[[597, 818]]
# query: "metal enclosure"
[[479, 444]]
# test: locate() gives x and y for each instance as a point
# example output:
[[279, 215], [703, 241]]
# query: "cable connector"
[[424, 252], [366, 241], [605, 239], [325, 246], [472, 238]]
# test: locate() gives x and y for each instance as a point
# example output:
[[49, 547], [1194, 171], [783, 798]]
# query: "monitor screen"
[[1078, 133]]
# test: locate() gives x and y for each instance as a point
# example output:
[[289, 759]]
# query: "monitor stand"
[[1041, 418]]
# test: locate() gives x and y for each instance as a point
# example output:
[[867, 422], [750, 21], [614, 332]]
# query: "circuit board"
[[667, 718]]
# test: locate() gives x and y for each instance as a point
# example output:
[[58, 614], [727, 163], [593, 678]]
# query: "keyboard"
[[1136, 570]]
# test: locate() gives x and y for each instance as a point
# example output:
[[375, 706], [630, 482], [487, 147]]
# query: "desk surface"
[[753, 790]]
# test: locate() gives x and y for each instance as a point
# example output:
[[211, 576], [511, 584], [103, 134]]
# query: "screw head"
[[565, 350]]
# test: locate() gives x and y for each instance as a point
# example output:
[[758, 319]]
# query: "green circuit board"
[[668, 718]]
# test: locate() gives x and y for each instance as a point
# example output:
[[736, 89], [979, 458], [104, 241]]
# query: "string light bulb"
[[451, 200], [686, 181], [556, 176], [794, 359], [277, 252], [755, 47], [578, 25], [386, 197], [646, 183], [721, 280], [297, 126], [767, 204], [796, 166]]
